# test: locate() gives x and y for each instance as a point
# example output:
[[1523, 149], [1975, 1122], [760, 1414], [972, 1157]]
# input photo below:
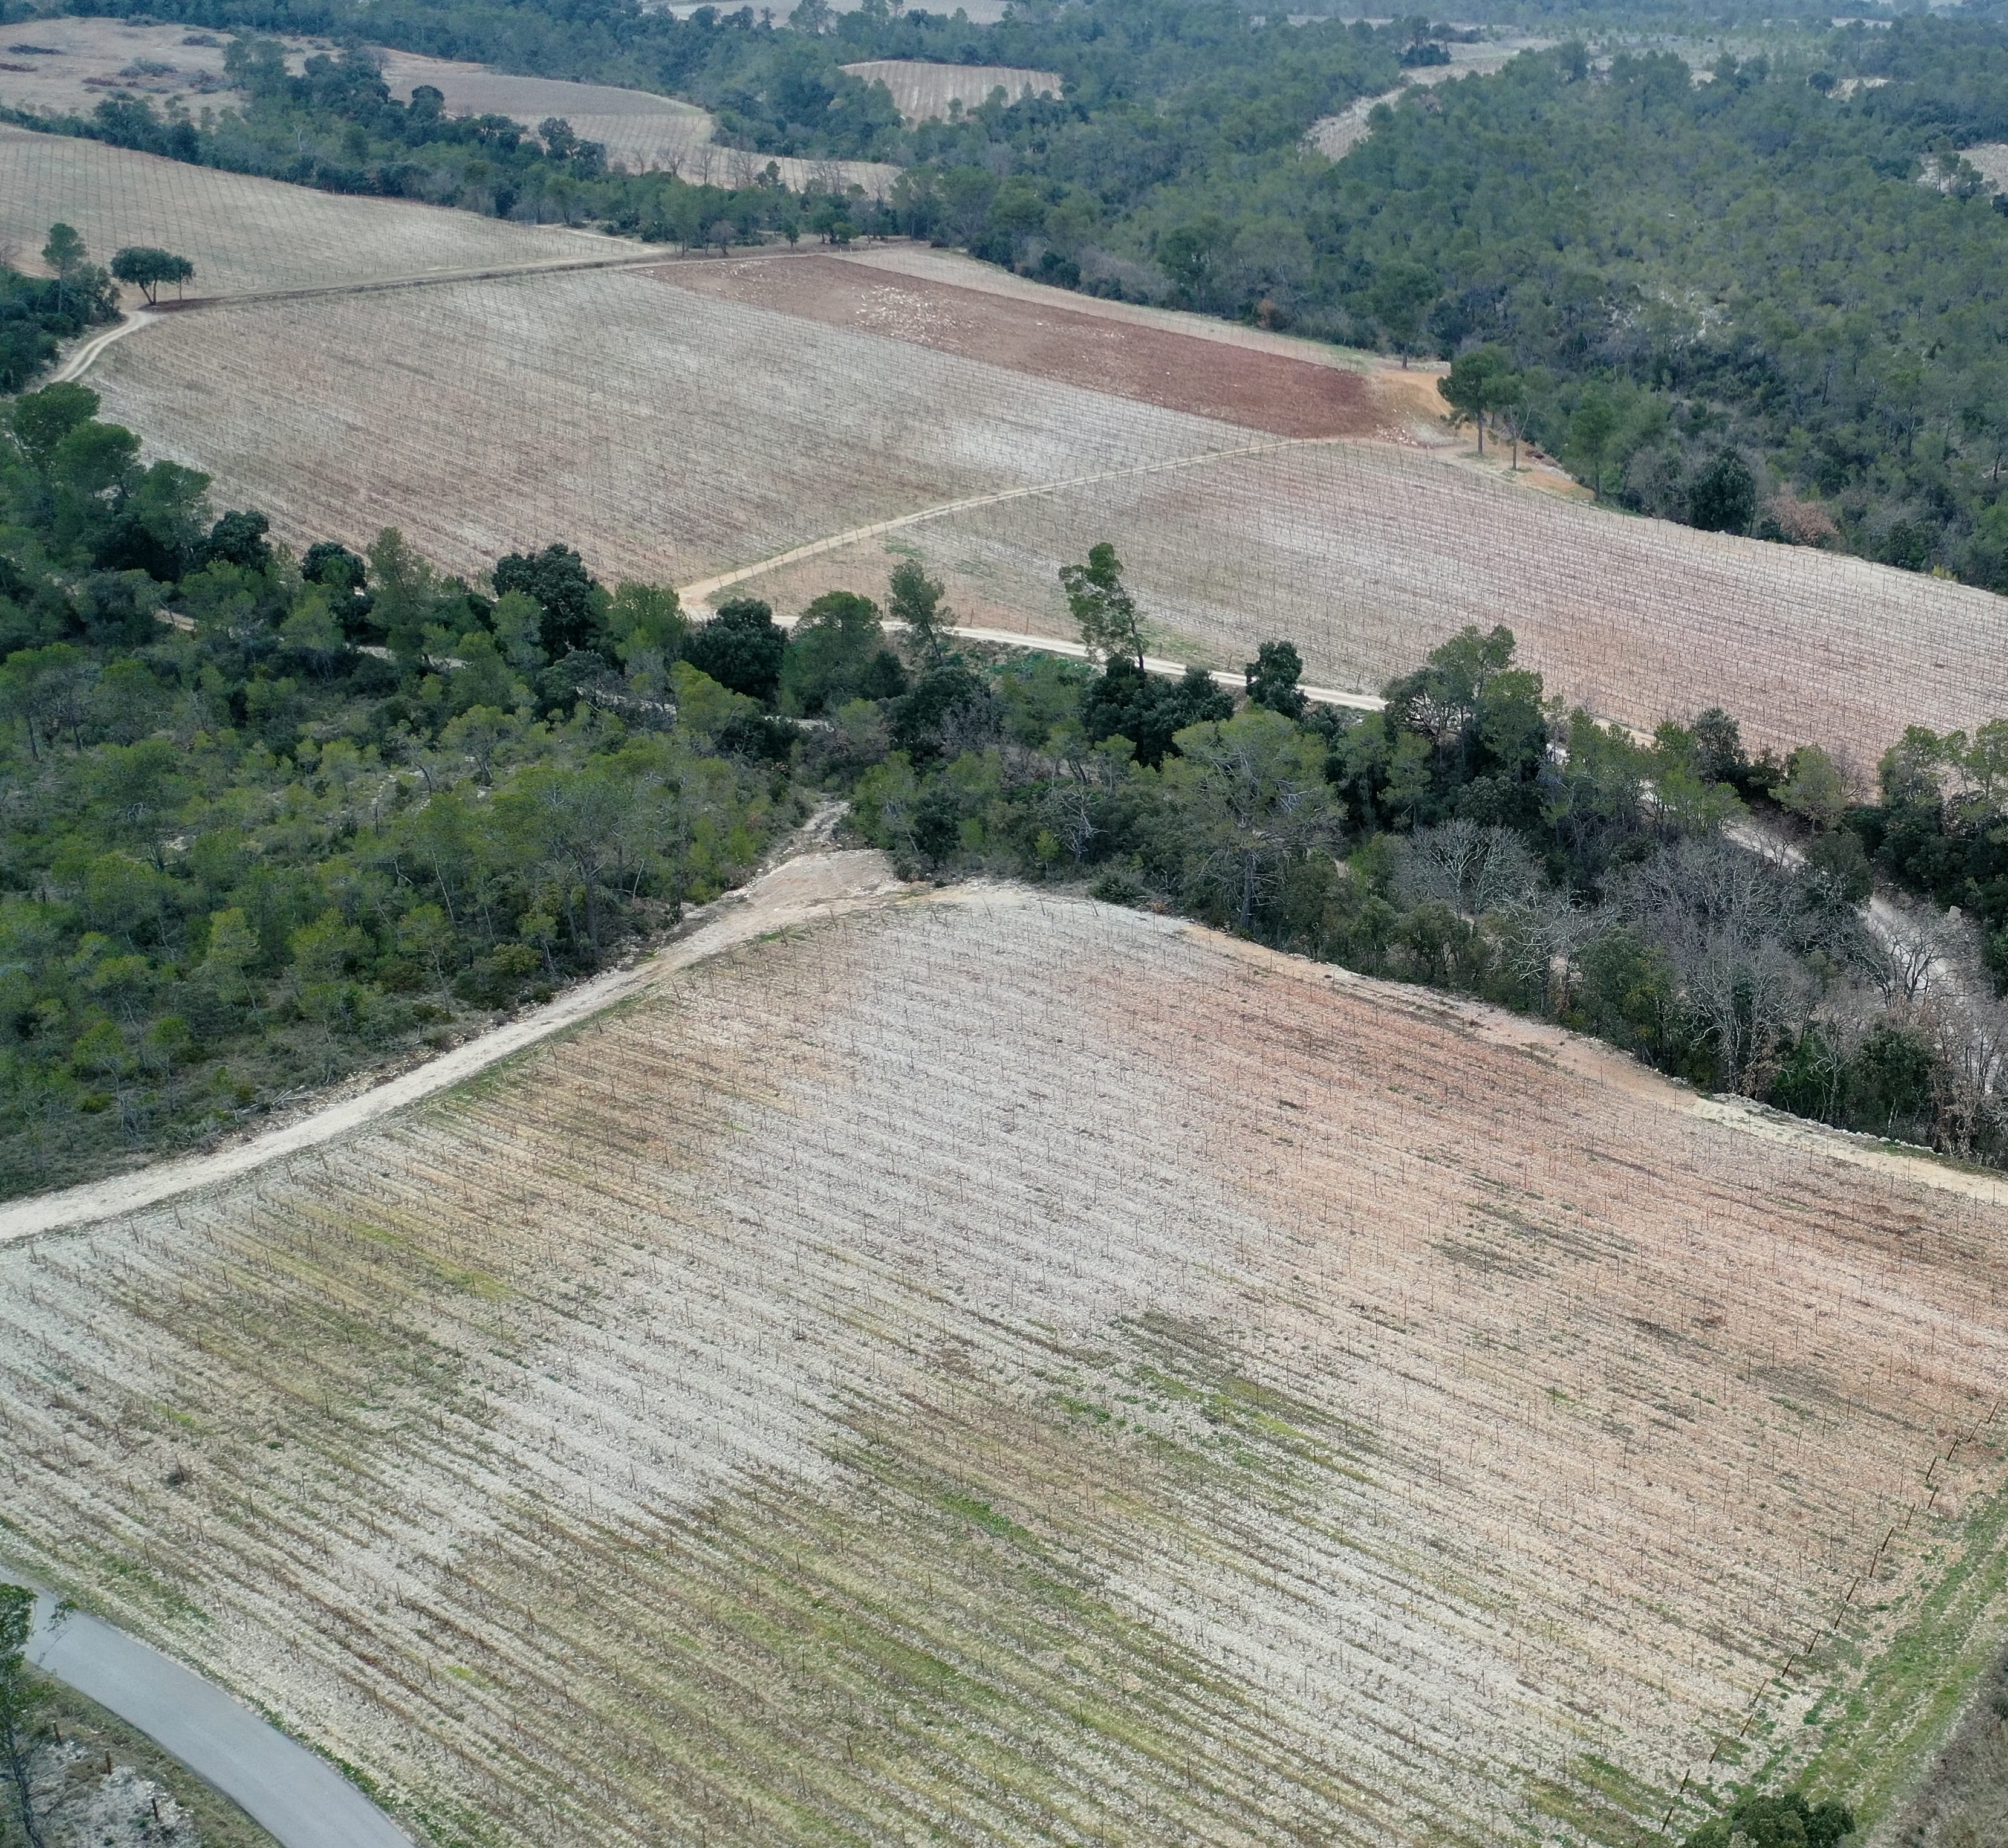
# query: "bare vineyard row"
[[1019, 1369]]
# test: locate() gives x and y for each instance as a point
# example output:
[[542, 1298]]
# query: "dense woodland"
[[1784, 272]]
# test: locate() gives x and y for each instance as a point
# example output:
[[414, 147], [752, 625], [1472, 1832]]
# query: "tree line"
[[1475, 835]]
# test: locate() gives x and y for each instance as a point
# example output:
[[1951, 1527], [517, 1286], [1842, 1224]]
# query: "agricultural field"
[[687, 436], [722, 416], [1272, 392], [641, 131], [1016, 1369], [1244, 500], [921, 90], [243, 233], [1355, 550], [69, 66]]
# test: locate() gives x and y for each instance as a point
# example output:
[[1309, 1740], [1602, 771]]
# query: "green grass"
[[1889, 1711]]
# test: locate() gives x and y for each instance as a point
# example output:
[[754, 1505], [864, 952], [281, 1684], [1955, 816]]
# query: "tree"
[[1246, 797], [1478, 383], [22, 1694], [239, 538], [48, 690], [741, 648], [915, 599], [147, 268], [1399, 293], [41, 419], [838, 653], [1786, 1821], [1814, 787], [1109, 621], [574, 605], [404, 591], [64, 253], [1591, 430], [1272, 679], [1148, 710], [1722, 498], [646, 627]]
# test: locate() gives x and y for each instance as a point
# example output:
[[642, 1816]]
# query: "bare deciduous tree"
[[1472, 870]]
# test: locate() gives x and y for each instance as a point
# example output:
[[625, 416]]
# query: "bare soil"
[[1176, 371]]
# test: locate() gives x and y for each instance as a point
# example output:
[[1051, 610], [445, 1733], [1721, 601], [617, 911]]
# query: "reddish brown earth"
[[1203, 378]]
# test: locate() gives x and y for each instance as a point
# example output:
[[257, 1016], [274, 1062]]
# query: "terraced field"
[[1023, 1371]]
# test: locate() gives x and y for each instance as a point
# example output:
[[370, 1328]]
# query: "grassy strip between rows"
[[1881, 1736]]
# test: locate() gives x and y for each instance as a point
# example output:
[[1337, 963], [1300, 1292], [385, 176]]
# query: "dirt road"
[[820, 883]]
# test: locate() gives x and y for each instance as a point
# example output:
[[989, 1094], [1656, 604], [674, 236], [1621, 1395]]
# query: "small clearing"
[[921, 90], [640, 130]]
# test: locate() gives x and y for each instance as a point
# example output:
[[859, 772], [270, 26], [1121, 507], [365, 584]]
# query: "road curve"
[[302, 1800], [697, 596]]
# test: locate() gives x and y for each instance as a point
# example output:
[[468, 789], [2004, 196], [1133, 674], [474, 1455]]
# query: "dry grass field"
[[641, 131], [1003, 1369], [920, 89], [243, 233]]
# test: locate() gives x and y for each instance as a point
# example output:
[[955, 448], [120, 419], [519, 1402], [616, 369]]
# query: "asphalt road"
[[280, 1784]]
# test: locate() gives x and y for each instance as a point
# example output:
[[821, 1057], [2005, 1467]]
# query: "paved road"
[[279, 1783]]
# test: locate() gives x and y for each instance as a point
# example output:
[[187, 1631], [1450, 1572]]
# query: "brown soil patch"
[[1177, 371]]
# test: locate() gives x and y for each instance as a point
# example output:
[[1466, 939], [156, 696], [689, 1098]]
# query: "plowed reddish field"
[[1176, 371]]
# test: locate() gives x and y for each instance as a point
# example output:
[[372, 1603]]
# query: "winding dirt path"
[[697, 596]]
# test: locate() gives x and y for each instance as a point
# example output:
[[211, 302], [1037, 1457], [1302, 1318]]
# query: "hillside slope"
[[1018, 1369]]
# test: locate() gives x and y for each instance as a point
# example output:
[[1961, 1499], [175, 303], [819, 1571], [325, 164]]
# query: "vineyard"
[[682, 437], [244, 233], [696, 434], [639, 129], [706, 418], [1365, 554], [1022, 1370], [920, 89]]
